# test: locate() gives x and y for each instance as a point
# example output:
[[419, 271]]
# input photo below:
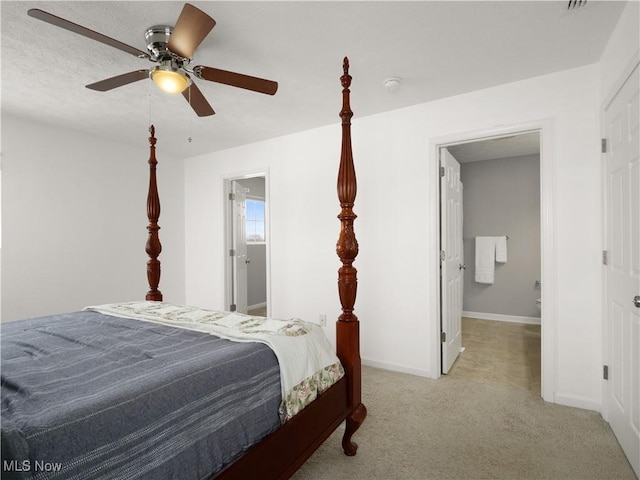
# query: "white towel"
[[501, 249], [485, 259]]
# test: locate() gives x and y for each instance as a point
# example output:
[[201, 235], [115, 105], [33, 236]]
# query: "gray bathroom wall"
[[257, 275], [502, 197]]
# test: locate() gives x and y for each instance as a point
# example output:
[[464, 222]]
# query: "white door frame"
[[547, 232], [228, 262]]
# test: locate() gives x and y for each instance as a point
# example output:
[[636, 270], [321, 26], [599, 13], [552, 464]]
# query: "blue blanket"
[[88, 396]]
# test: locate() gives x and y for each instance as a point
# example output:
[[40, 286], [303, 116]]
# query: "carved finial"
[[152, 138], [345, 79]]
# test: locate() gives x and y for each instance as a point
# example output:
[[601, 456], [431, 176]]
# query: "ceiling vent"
[[574, 5]]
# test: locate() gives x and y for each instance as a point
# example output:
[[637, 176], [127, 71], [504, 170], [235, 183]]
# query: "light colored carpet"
[[500, 352], [450, 428]]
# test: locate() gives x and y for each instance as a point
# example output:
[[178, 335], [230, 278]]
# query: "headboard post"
[[348, 326], [153, 247]]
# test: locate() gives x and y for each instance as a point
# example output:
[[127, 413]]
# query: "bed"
[[154, 390]]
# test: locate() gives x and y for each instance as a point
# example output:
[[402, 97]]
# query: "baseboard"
[[257, 305], [397, 368], [502, 318], [577, 402]]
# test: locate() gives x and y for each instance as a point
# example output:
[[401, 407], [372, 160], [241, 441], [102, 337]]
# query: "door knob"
[[636, 301], [462, 267], [248, 260]]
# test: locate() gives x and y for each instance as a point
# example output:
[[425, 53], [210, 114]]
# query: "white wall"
[[622, 51], [300, 212], [68, 198], [0, 285], [74, 220], [397, 229]]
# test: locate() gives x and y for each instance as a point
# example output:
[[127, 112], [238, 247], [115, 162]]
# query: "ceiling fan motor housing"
[[157, 38]]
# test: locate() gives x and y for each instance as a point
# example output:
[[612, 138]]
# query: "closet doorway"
[[247, 254], [497, 319]]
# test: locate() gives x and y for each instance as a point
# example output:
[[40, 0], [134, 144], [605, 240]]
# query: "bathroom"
[[502, 198]]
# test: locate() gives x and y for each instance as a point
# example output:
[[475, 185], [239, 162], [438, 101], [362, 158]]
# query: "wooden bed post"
[[153, 246], [348, 326]]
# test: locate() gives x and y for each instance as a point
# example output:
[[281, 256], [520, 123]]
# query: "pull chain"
[[149, 98], [189, 122]]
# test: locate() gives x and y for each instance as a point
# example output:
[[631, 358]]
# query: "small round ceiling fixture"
[[392, 84]]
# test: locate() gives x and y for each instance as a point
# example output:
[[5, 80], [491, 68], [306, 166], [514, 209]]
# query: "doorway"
[[247, 240], [499, 317]]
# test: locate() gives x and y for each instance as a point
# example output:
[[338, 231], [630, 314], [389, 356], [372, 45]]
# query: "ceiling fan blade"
[[236, 80], [79, 29], [192, 27], [196, 99], [119, 80]]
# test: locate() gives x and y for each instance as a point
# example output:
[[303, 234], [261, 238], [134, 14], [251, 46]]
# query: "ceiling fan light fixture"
[[169, 79]]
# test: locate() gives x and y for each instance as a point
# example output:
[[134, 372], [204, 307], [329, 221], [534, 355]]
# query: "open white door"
[[239, 251], [623, 267], [452, 258]]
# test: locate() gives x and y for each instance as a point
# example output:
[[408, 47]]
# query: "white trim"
[[549, 328], [605, 288], [394, 367], [226, 189], [257, 305], [626, 73], [546, 127], [498, 317], [577, 402]]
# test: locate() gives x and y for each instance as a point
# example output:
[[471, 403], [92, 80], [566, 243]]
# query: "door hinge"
[[605, 372], [443, 255], [232, 196], [603, 145], [232, 307], [605, 257], [442, 171], [232, 253], [443, 337]]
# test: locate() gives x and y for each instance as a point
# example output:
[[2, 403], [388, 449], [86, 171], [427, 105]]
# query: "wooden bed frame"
[[281, 453]]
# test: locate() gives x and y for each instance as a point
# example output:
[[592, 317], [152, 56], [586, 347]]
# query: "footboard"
[[281, 453]]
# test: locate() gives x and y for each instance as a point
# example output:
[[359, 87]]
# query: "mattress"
[[92, 396]]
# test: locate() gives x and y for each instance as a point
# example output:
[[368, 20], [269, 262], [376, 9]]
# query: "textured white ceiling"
[[439, 49]]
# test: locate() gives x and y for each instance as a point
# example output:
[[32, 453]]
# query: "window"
[[255, 221]]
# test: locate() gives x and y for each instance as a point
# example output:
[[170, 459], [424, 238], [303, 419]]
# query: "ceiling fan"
[[172, 49]]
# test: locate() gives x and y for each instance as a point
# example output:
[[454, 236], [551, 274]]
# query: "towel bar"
[[471, 238]]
